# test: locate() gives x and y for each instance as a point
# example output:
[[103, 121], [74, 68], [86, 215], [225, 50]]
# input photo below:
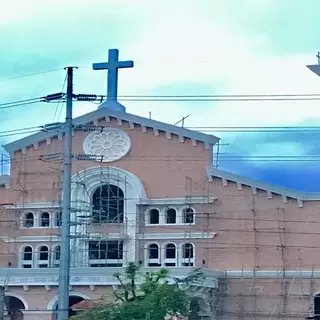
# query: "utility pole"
[[2, 302], [64, 270]]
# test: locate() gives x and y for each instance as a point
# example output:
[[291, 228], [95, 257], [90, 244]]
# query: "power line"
[[59, 110], [168, 158], [213, 129], [19, 103], [185, 98], [31, 74], [144, 159], [20, 129]]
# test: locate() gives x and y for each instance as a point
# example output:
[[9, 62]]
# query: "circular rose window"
[[112, 144]]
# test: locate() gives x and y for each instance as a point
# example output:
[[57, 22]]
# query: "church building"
[[148, 192]]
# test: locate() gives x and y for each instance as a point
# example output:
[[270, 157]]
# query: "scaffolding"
[[27, 184], [197, 197], [100, 221]]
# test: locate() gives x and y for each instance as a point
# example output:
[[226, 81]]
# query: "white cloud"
[[173, 43]]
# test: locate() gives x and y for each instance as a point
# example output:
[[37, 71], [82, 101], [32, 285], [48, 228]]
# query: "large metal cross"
[[112, 66]]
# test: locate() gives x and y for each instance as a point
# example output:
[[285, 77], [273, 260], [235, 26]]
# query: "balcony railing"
[[78, 276]]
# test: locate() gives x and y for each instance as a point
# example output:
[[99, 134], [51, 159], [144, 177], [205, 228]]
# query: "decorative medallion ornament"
[[112, 144]]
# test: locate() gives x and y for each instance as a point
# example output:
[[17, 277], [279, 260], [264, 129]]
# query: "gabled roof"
[[106, 111], [256, 184]]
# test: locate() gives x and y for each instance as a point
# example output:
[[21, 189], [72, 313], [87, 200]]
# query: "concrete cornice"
[[177, 235], [143, 201], [82, 276], [273, 274], [105, 113]]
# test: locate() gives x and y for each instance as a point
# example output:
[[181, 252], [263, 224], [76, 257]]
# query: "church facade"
[[147, 192]]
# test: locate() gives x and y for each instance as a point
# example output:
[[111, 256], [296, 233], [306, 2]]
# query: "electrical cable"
[[144, 159], [216, 99], [19, 104], [221, 95], [30, 74], [15, 104], [59, 108], [289, 129]]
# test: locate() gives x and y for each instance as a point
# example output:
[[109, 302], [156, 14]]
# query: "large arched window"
[[13, 303], [153, 255], [108, 204], [73, 301], [27, 257]]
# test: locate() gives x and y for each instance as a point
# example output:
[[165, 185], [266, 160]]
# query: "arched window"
[[170, 255], [13, 303], [154, 215], [58, 219], [188, 216], [171, 216], [56, 256], [27, 257], [108, 204], [317, 304], [28, 220], [73, 301], [187, 255], [153, 255], [43, 260], [45, 219]]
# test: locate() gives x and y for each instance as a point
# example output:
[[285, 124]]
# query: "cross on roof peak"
[[318, 56], [112, 66]]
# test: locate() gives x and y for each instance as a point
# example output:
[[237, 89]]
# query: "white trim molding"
[[84, 184], [104, 276], [249, 274], [105, 140], [23, 300], [270, 189], [34, 205], [178, 201], [162, 209], [177, 236], [143, 201], [28, 239], [107, 114], [54, 301]]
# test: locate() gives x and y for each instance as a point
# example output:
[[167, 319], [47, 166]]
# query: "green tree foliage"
[[154, 299]]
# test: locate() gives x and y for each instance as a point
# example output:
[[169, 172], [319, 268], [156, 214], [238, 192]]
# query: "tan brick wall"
[[161, 164], [290, 298], [253, 232]]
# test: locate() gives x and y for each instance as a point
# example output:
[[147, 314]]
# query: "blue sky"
[[179, 47]]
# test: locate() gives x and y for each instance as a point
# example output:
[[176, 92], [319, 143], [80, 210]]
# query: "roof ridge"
[[33, 139], [258, 184]]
